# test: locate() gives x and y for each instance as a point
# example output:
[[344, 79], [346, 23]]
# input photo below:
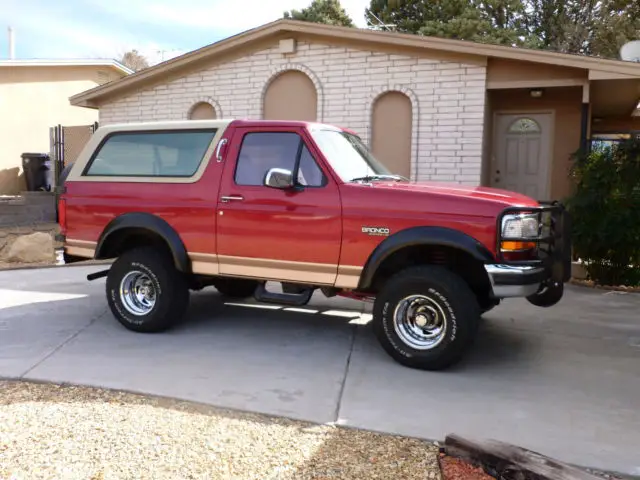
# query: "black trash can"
[[37, 171]]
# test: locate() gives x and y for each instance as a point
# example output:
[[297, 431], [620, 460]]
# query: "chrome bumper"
[[514, 281]]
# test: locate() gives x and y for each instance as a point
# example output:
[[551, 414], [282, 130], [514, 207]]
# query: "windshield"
[[348, 156]]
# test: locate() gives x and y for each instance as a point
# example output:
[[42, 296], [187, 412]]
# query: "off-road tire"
[[451, 293], [235, 288], [171, 287], [548, 297]]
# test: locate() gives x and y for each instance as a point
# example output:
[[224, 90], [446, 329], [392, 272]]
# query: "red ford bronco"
[[235, 204]]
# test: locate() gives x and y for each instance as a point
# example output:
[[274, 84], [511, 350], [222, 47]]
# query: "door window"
[[524, 126], [262, 151]]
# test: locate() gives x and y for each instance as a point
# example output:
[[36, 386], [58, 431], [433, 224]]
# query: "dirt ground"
[[456, 469]]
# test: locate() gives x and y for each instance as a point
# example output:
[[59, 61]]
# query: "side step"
[[96, 275], [294, 299]]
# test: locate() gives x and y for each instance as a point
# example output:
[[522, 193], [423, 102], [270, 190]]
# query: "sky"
[[159, 29]]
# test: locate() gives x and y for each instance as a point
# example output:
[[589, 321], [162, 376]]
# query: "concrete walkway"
[[564, 381]]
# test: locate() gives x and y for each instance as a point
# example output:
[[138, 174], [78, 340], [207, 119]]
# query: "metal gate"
[[66, 143]]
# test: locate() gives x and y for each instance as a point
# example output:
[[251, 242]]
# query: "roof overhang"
[[68, 63], [375, 39]]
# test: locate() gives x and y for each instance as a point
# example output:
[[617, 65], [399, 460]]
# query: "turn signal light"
[[517, 246]]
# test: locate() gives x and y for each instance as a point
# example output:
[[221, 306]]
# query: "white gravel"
[[65, 432]]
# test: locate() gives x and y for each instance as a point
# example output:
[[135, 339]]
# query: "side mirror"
[[279, 178]]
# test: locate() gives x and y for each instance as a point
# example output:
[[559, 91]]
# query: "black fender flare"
[[416, 236], [152, 223]]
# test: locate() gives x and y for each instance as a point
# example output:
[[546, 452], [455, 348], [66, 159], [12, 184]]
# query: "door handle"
[[229, 198]]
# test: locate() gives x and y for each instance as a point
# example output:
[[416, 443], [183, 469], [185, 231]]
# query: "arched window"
[[202, 111]]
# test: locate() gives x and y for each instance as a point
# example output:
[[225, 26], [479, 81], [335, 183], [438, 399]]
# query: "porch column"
[[584, 118]]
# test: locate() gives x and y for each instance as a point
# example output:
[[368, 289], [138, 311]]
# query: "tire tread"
[[461, 298], [174, 283]]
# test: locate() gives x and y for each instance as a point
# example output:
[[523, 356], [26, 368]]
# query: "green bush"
[[605, 209]]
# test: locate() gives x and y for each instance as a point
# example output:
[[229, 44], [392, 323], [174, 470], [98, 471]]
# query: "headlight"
[[520, 226]]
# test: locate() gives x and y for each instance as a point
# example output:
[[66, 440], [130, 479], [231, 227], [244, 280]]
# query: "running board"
[[294, 299], [96, 275]]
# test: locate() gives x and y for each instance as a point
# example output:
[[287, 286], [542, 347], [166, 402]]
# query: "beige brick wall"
[[448, 99]]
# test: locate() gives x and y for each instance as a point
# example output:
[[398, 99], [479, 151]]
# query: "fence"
[[66, 143]]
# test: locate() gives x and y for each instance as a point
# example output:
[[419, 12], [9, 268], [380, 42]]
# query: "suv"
[[235, 204]]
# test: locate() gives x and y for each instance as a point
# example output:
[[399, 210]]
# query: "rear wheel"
[[426, 317], [145, 291], [237, 288]]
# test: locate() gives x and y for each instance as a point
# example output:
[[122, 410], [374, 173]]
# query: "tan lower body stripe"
[[204, 263], [341, 276], [80, 248], [281, 270]]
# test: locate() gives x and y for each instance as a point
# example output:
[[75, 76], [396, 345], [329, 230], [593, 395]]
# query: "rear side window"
[[151, 154]]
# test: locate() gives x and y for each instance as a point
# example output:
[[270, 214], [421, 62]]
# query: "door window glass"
[[262, 151], [524, 125], [309, 173]]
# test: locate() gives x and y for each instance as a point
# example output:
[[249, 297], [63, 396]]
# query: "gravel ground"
[[65, 432]]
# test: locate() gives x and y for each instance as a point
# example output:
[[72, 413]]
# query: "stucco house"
[[34, 96], [431, 108]]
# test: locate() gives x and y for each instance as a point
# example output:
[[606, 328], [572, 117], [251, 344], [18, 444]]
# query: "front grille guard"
[[553, 244]]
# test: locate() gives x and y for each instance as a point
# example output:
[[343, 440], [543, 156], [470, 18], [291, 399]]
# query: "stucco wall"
[[448, 99], [32, 99]]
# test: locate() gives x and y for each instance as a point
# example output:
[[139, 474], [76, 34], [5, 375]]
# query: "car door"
[[287, 235]]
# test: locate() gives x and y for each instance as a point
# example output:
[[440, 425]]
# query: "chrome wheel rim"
[[420, 322], [137, 293]]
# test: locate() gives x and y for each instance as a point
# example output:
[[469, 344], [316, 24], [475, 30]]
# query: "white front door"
[[522, 154]]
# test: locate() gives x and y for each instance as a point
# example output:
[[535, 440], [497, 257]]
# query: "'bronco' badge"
[[376, 231]]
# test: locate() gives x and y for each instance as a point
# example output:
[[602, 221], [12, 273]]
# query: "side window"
[[151, 154], [262, 151]]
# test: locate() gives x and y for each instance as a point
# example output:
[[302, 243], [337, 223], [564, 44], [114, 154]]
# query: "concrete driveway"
[[563, 381]]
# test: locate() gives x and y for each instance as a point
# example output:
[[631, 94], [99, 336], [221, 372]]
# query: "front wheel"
[[426, 317], [145, 291]]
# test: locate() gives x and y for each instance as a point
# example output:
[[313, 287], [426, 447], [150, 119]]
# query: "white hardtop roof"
[[195, 124]]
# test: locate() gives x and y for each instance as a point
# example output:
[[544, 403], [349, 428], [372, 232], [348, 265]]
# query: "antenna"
[[380, 25], [630, 51]]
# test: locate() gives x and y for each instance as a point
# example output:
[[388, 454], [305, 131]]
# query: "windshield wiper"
[[371, 178]]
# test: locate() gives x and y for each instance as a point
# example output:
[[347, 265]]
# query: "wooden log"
[[509, 462]]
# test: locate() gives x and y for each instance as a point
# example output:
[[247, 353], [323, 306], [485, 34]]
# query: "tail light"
[[62, 216]]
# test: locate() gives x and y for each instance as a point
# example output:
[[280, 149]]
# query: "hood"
[[487, 194]]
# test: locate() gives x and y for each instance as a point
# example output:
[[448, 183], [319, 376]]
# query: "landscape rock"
[[36, 247]]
